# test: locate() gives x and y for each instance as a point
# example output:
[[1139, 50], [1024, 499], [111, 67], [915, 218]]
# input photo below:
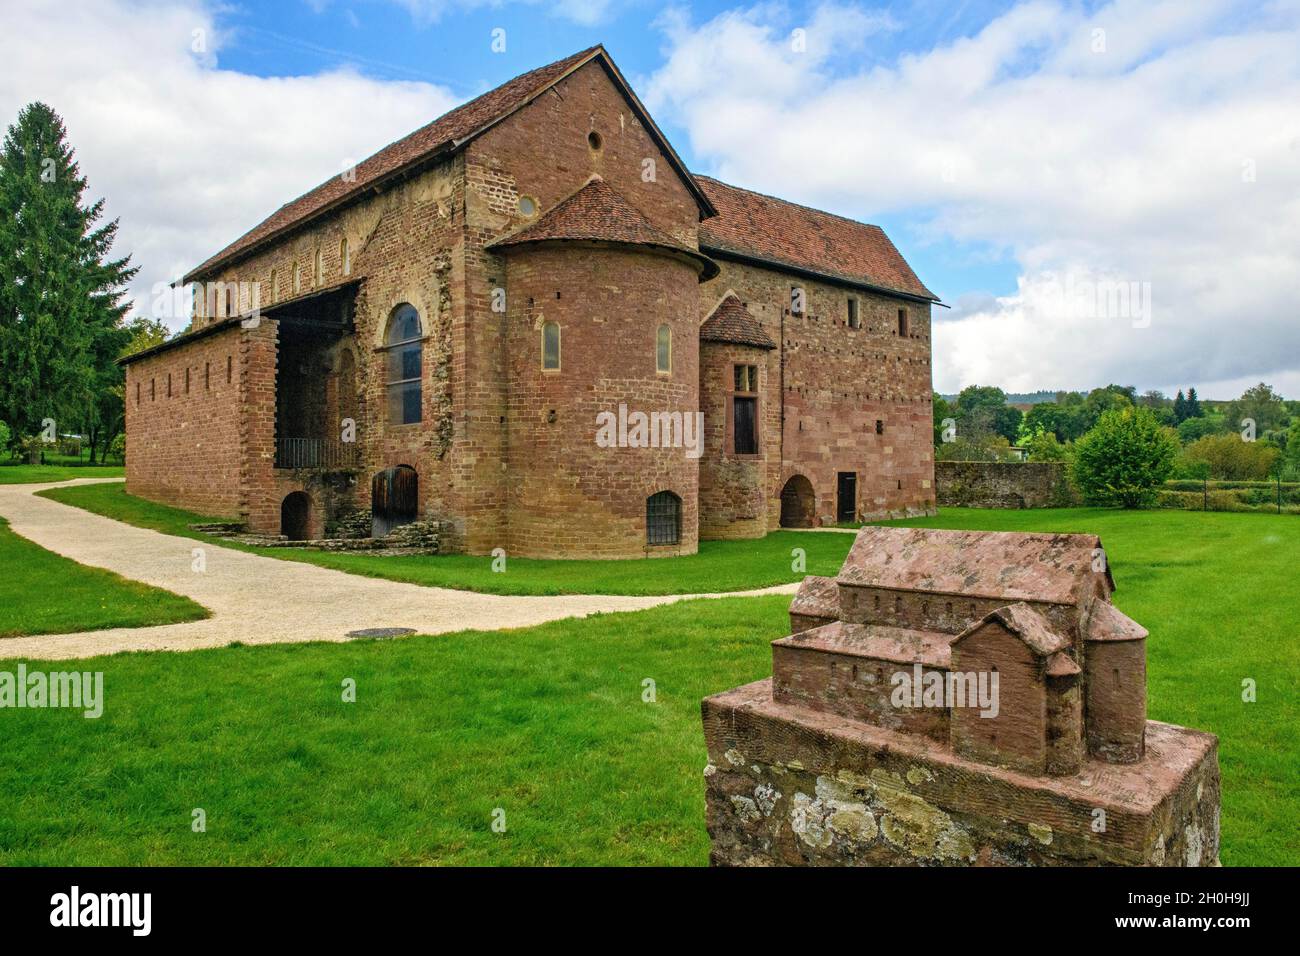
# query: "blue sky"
[[1102, 191], [453, 49]]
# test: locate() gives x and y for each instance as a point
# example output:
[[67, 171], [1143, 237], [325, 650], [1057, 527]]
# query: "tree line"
[[1106, 433]]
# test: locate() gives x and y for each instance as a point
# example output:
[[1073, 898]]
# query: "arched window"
[[664, 349], [318, 269], [275, 286], [404, 346], [345, 263], [663, 518], [550, 345], [297, 278]]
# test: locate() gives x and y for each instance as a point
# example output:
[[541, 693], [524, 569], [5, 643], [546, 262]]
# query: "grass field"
[[14, 474], [44, 593], [719, 566], [548, 723]]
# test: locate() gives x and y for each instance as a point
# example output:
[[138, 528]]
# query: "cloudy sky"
[[1102, 192]]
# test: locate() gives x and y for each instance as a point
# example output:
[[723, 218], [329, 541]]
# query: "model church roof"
[[1051, 568]]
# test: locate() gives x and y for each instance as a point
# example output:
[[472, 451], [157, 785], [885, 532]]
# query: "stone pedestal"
[[791, 785]]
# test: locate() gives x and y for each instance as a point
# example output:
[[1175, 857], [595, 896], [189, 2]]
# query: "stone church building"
[[436, 334]]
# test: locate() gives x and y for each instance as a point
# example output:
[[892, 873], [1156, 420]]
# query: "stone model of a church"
[[958, 697]]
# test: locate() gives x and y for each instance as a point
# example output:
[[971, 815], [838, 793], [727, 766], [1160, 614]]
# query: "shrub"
[[1229, 457], [1124, 458], [117, 447], [1045, 447]]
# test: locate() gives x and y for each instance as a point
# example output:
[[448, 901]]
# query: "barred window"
[[404, 346], [663, 518]]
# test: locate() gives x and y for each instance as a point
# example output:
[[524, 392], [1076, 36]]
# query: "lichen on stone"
[[746, 809]]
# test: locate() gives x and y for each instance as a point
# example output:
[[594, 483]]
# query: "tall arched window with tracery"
[[404, 345]]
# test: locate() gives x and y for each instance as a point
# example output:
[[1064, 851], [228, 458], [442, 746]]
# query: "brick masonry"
[[505, 453]]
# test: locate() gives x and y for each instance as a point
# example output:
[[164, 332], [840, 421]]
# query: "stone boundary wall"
[[1002, 484]]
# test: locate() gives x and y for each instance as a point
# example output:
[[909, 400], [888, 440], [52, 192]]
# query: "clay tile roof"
[[1109, 623], [731, 322], [597, 213], [1027, 624], [447, 130], [1006, 565], [447, 133], [784, 233], [817, 597]]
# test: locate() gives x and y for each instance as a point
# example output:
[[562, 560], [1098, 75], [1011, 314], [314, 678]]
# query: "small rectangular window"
[[744, 411], [902, 323], [854, 320], [746, 378], [880, 427]]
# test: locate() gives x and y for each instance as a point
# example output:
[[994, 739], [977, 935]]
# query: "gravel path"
[[259, 600]]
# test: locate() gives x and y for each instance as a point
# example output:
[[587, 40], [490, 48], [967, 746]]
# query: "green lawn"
[[548, 723], [15, 474], [44, 593], [719, 566]]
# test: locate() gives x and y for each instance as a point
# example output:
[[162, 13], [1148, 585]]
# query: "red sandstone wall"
[[183, 448], [830, 384], [734, 489], [566, 495], [542, 151]]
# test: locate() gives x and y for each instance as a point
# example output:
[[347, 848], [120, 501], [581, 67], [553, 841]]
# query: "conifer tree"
[[61, 295]]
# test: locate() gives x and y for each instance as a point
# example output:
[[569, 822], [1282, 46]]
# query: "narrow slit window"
[[902, 323], [664, 349], [345, 260], [854, 319], [550, 345]]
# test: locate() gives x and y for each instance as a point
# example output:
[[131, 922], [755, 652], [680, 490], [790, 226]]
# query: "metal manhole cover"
[[381, 632]]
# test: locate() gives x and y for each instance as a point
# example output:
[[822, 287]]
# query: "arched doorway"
[[295, 516], [394, 499], [798, 503]]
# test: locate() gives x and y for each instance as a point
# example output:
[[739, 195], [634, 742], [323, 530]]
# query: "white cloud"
[[187, 155], [582, 12], [1126, 159]]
